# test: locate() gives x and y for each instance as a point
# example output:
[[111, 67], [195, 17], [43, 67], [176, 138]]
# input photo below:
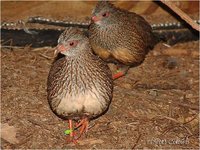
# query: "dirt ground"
[[154, 106]]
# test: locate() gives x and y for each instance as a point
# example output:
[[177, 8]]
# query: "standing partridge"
[[119, 36], [79, 86]]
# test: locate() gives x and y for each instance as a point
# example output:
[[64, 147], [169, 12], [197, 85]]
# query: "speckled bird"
[[79, 86], [119, 36]]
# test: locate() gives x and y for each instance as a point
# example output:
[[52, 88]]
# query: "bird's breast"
[[100, 51], [88, 103]]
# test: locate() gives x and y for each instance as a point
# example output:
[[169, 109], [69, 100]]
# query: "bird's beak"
[[59, 48], [95, 18]]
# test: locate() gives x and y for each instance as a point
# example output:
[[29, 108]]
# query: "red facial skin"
[[63, 47], [95, 18], [100, 17]]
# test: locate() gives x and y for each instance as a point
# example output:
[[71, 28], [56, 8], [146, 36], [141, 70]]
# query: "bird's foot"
[[71, 138], [120, 72], [83, 127], [117, 75], [77, 132]]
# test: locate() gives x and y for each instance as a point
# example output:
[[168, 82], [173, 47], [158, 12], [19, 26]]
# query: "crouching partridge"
[[119, 36]]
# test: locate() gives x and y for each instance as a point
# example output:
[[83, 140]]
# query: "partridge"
[[119, 36], [79, 85]]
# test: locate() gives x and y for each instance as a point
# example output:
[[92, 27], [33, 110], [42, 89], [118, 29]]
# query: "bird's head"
[[71, 42], [103, 13]]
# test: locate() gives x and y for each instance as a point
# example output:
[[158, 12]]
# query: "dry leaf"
[[8, 133]]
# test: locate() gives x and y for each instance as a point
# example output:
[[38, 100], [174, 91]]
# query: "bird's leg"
[[79, 124], [71, 133], [121, 71], [83, 124]]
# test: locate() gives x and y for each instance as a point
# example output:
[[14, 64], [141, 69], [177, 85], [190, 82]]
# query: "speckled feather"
[[123, 30], [80, 85]]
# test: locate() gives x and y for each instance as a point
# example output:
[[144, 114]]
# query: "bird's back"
[[143, 28]]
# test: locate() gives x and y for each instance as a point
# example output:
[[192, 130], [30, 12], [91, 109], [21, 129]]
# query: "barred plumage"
[[80, 83]]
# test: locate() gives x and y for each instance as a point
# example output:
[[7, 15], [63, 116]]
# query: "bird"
[[79, 84], [120, 36]]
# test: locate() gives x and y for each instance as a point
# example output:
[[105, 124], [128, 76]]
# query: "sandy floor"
[[154, 106]]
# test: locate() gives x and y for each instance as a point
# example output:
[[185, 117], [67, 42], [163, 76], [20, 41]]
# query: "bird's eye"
[[71, 43], [105, 14]]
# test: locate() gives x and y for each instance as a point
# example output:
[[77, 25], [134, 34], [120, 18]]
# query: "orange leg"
[[118, 75], [83, 124], [71, 128], [121, 72], [71, 134], [79, 124]]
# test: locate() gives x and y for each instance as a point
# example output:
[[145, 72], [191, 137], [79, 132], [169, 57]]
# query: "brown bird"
[[79, 85], [119, 36]]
